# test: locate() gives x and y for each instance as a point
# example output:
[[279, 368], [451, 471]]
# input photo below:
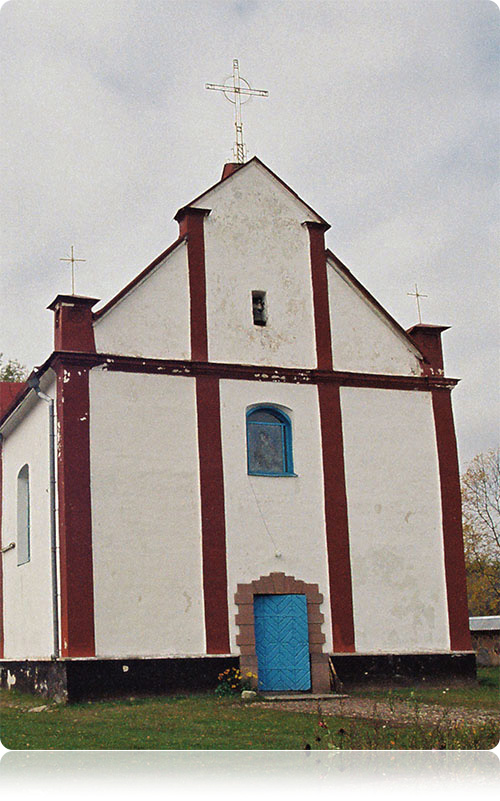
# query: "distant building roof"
[[486, 623]]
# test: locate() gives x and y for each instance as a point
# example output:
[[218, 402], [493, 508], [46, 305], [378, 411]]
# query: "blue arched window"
[[269, 442]]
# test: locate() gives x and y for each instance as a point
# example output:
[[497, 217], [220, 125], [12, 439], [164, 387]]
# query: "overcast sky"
[[382, 115]]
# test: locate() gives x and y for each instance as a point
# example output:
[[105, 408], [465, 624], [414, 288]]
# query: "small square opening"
[[259, 307]]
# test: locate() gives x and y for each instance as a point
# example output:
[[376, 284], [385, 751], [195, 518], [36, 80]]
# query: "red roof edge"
[[138, 278], [9, 391], [364, 291]]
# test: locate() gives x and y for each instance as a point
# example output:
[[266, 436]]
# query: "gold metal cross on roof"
[[72, 260], [240, 87], [417, 295]]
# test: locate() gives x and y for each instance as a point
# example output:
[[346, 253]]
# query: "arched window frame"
[[23, 516], [282, 420]]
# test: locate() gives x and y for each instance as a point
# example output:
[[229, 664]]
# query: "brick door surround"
[[280, 584]]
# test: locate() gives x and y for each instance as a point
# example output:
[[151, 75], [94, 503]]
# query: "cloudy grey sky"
[[382, 115]]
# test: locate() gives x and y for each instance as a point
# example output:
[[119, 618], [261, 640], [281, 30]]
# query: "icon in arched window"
[[269, 442]]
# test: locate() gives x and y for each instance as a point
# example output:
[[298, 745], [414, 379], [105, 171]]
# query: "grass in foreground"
[[208, 722], [174, 722], [483, 695]]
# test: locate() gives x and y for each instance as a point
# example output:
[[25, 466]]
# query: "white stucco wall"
[[254, 240], [393, 494], [363, 339], [153, 319], [146, 519], [265, 515], [27, 588]]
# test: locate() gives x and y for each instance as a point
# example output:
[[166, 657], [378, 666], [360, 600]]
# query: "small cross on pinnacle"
[[234, 93], [72, 260], [417, 295]]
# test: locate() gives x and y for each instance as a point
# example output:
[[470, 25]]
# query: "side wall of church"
[[274, 523], [153, 319], [254, 240], [363, 340], [27, 594], [395, 526], [146, 526]]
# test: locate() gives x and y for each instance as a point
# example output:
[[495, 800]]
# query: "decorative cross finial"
[[72, 260], [234, 94], [417, 295]]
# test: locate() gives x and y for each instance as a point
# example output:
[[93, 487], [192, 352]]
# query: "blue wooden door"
[[282, 642]]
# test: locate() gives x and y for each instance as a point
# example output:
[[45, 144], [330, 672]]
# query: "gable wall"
[[146, 525], [254, 240], [153, 319], [269, 514], [395, 525], [363, 341], [27, 591]]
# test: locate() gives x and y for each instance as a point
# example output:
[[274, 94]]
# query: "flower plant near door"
[[231, 682]]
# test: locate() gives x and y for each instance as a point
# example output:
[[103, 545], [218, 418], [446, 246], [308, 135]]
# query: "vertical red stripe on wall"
[[213, 523], [75, 525], [1, 558], [336, 518], [321, 302], [451, 505], [191, 225]]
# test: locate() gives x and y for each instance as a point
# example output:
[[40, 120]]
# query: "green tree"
[[481, 522], [12, 370]]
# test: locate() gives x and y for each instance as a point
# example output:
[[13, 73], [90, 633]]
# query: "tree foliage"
[[481, 522], [12, 370]]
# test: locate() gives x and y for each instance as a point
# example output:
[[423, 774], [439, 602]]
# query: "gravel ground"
[[398, 712]]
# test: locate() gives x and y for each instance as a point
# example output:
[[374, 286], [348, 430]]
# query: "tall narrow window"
[[23, 515], [269, 442], [259, 307]]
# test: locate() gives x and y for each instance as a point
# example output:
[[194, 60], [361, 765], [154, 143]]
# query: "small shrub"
[[231, 682]]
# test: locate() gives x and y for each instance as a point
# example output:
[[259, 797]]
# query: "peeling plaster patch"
[[188, 601], [125, 668], [407, 516], [85, 417], [66, 376]]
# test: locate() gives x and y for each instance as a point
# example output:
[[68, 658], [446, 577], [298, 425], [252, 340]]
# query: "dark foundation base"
[[71, 681], [405, 669]]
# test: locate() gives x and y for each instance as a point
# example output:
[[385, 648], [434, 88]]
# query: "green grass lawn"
[[208, 722], [178, 722], [484, 695]]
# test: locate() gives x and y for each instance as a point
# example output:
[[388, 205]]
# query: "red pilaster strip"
[[451, 505], [75, 527], [320, 294], [191, 223], [1, 559], [337, 527], [213, 522]]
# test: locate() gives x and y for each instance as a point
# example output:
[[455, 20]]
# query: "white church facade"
[[252, 464]]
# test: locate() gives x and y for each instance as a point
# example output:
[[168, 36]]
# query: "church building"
[[240, 459]]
